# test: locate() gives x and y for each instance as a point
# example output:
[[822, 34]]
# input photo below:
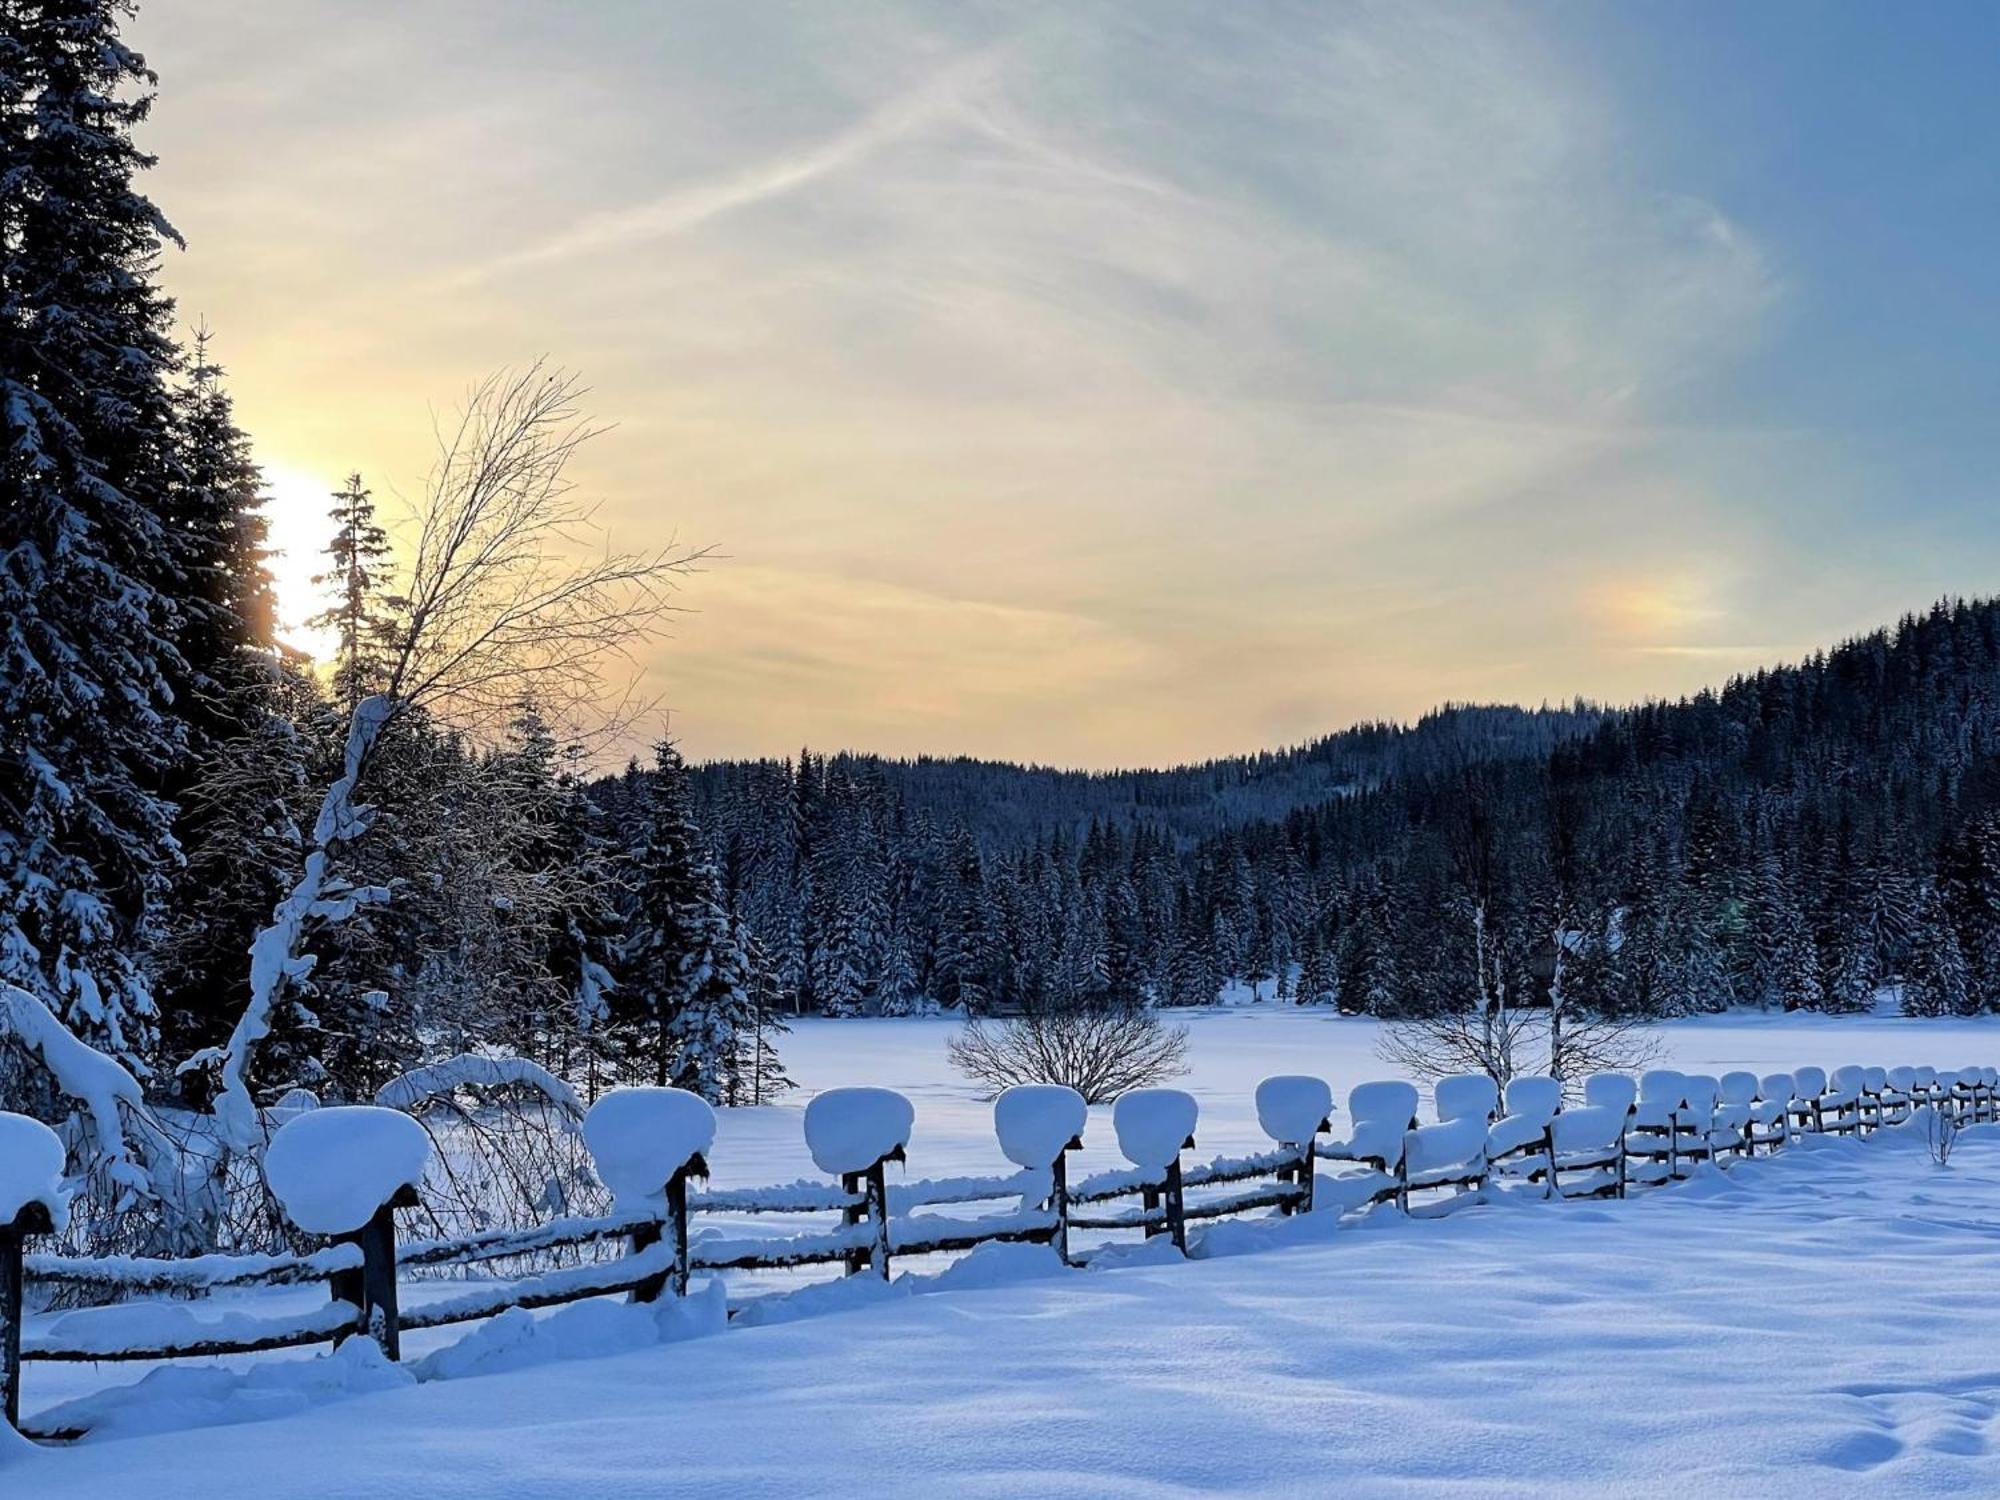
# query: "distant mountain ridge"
[[1007, 802], [1795, 837]]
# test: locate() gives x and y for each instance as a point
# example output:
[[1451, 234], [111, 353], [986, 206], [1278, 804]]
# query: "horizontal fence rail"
[[1625, 1134]]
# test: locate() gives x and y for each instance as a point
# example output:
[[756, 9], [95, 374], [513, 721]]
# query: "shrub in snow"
[[849, 1130], [1292, 1108], [332, 1168], [1154, 1125], [31, 1169], [469, 1071], [640, 1137], [1036, 1121]]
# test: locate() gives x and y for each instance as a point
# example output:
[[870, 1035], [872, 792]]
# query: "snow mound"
[[640, 1137], [31, 1169], [1036, 1121], [174, 1398], [1153, 1125], [1292, 1108], [332, 1168], [849, 1130], [517, 1339], [998, 1264]]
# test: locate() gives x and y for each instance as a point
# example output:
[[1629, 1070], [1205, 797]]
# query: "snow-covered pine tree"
[[684, 992], [584, 946], [227, 604], [1935, 982], [362, 613], [1317, 979], [239, 805], [88, 730], [756, 1075]]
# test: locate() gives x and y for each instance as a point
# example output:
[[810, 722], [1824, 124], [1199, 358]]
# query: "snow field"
[[1816, 1321], [955, 1131]]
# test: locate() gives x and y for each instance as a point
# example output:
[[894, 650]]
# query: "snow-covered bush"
[[1036, 1121], [849, 1130], [509, 1152], [640, 1137], [332, 1168], [1154, 1125]]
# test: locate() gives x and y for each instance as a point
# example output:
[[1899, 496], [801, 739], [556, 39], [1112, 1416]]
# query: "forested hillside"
[[1796, 839]]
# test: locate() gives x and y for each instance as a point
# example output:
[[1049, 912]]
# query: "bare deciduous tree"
[[504, 602], [1101, 1051]]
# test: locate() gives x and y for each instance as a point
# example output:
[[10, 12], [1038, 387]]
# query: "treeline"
[[1797, 839], [163, 759]]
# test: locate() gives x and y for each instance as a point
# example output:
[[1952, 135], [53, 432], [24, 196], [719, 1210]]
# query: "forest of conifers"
[[1799, 838]]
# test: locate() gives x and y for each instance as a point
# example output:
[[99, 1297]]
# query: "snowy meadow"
[[1816, 1312], [1231, 1049]]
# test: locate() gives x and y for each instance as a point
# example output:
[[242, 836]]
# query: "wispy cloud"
[[1045, 377], [686, 208]]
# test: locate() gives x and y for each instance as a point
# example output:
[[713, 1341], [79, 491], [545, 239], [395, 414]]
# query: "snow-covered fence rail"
[[342, 1173]]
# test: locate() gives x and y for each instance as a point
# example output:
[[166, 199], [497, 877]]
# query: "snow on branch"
[[277, 956], [112, 1107], [420, 1086]]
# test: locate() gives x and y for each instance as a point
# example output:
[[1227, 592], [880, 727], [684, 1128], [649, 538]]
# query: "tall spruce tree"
[[684, 992], [237, 813], [361, 611], [89, 732]]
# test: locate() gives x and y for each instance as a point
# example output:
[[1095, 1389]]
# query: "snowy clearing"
[[1696, 1311], [1232, 1050], [1819, 1318]]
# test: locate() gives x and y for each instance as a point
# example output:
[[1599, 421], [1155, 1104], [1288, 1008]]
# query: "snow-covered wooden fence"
[[341, 1174]]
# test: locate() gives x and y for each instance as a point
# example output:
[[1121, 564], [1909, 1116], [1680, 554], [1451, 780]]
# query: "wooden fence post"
[[872, 1206], [878, 1217], [1176, 1206], [372, 1288], [855, 1261], [1624, 1153], [649, 1234], [677, 1219], [1059, 1199], [33, 1219]]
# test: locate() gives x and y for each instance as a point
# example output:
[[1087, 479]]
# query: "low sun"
[[300, 501]]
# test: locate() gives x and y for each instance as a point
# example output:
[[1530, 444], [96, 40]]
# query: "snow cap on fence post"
[[31, 1174], [851, 1129], [1154, 1126], [640, 1137], [1292, 1108], [1037, 1122], [333, 1168]]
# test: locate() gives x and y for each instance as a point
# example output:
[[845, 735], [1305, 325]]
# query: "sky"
[[1124, 385]]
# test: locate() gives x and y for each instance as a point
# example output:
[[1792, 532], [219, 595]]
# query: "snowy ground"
[[1825, 1317], [1231, 1050]]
